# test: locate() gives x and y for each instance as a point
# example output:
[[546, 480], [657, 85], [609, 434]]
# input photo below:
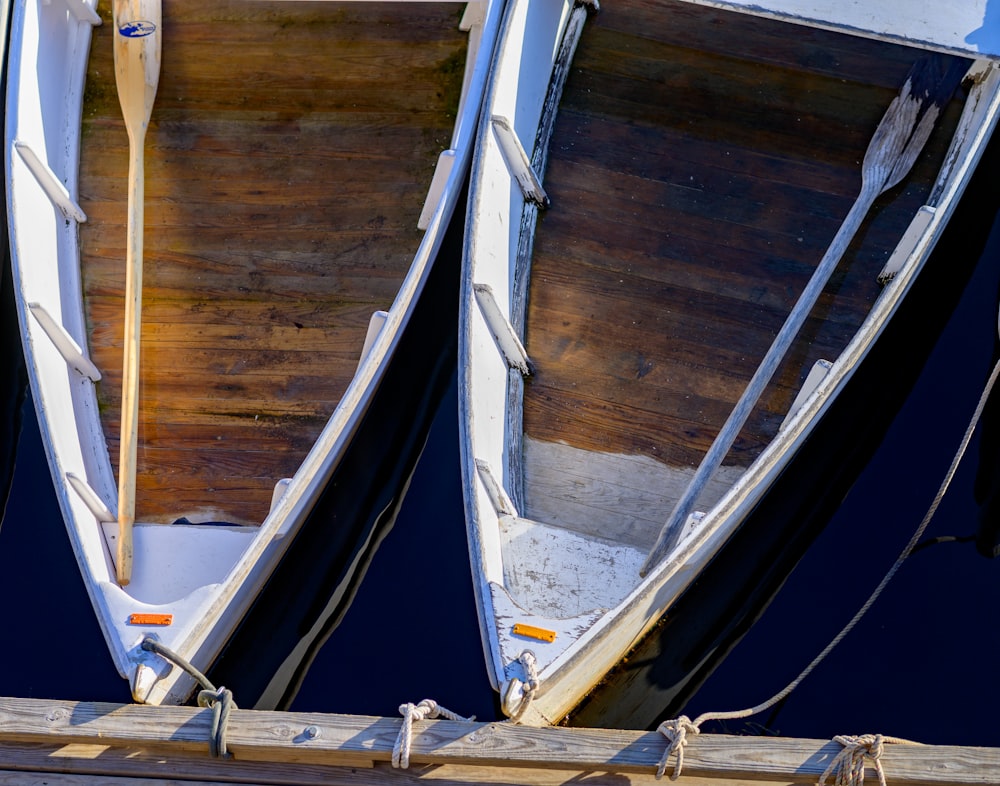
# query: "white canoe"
[[699, 162], [269, 243]]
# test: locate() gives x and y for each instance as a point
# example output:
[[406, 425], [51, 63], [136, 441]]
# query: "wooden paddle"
[[137, 74], [897, 142]]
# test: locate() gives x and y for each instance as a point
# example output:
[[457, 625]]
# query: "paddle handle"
[[672, 530], [127, 456]]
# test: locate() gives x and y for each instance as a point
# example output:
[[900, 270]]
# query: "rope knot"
[[529, 663], [676, 731], [221, 703], [848, 766], [426, 709], [528, 684], [220, 700]]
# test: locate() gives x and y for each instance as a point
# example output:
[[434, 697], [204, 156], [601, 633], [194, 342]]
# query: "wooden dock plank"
[[40, 735]]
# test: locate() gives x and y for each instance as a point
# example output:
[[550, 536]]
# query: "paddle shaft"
[[891, 152], [137, 70], [128, 448], [672, 530]]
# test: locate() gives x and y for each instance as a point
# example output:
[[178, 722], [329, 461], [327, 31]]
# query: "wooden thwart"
[[102, 740]]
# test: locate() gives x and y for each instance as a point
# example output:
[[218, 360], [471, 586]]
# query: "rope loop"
[[529, 685], [427, 709], [150, 644], [676, 731], [220, 700], [848, 766], [221, 703]]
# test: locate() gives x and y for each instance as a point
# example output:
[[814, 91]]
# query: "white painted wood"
[[558, 573], [612, 495], [442, 172], [473, 16], [491, 248], [84, 11], [507, 612], [64, 342], [475, 19], [375, 325], [503, 332], [91, 499], [517, 161], [908, 245], [816, 374], [175, 560], [207, 576], [51, 184], [279, 491], [499, 500], [969, 27], [508, 588]]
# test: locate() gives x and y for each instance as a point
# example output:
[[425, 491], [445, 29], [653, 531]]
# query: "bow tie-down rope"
[[219, 700], [848, 766], [676, 733], [428, 709], [676, 730], [529, 664]]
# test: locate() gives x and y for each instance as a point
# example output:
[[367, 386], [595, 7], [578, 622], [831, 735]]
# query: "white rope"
[[848, 766], [429, 709], [914, 539], [676, 733]]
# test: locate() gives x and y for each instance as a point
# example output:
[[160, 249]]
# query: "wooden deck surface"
[[68, 743], [701, 161], [287, 159]]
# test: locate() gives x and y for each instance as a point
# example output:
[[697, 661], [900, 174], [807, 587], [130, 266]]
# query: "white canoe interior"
[[203, 576], [562, 510]]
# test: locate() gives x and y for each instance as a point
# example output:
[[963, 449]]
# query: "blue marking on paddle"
[[137, 29]]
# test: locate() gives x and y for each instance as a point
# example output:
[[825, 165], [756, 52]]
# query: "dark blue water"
[[922, 664]]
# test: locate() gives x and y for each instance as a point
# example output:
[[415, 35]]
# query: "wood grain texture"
[[171, 742], [287, 158], [700, 164]]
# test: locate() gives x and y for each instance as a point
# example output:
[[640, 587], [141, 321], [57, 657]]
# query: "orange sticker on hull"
[[150, 619]]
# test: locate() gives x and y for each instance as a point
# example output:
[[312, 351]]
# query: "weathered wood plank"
[[687, 215], [287, 158], [131, 767], [514, 750]]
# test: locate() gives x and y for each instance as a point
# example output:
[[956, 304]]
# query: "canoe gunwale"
[[566, 676]]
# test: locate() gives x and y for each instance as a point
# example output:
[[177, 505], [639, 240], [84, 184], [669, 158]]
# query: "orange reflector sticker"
[[520, 629], [150, 619]]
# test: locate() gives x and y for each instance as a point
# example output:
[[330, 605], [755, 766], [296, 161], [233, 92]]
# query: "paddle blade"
[[137, 59], [910, 119]]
